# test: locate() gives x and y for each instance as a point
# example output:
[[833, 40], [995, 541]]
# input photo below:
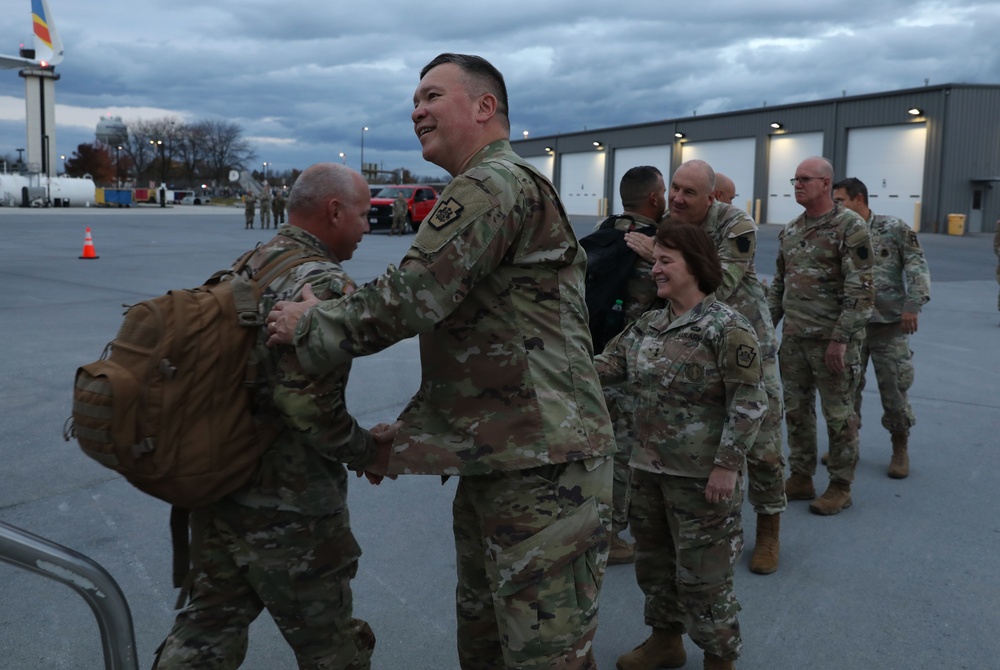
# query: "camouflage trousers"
[[765, 461], [803, 370], [889, 349], [298, 567], [531, 548], [620, 408], [249, 220], [398, 225], [685, 550], [265, 215]]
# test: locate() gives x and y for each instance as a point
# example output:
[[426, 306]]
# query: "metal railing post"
[[30, 552]]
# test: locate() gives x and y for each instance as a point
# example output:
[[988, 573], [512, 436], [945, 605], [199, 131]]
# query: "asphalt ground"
[[905, 579]]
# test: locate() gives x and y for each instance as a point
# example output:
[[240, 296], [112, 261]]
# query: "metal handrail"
[[30, 552]]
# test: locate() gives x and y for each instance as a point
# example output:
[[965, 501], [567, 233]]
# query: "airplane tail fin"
[[48, 46]]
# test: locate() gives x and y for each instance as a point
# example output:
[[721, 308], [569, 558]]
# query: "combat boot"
[[765, 553], [837, 497], [713, 662], [825, 458], [622, 551], [799, 487], [899, 466], [663, 649]]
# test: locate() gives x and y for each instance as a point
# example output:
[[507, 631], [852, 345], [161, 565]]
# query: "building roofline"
[[758, 110]]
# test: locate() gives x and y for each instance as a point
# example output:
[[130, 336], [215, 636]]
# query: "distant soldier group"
[[269, 206]]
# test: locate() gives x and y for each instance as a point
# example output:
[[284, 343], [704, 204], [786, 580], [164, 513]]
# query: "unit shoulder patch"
[[445, 213], [742, 357]]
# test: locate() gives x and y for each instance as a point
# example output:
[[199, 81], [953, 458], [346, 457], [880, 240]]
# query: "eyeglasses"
[[803, 180]]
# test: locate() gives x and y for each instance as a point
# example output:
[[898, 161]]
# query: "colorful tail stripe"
[[41, 23]]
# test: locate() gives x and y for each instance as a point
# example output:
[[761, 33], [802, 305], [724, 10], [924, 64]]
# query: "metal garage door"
[[626, 159], [786, 152], [890, 161], [545, 164], [581, 183], [733, 158]]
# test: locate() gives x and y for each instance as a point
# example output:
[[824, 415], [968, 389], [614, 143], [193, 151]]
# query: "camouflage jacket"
[[303, 470], [494, 286], [641, 290], [823, 285], [735, 237], [902, 278], [399, 206], [697, 384]]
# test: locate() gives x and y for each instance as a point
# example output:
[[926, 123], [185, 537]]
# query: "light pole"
[[364, 130], [525, 134], [265, 173], [118, 166], [343, 158], [163, 170]]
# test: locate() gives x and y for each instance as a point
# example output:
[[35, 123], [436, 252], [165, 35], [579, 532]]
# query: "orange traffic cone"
[[88, 246]]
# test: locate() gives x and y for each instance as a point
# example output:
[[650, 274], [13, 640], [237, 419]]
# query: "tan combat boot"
[[713, 662], [837, 497], [765, 553], [622, 551], [663, 649], [799, 487], [899, 466]]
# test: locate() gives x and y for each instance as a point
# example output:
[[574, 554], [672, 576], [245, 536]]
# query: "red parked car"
[[420, 200]]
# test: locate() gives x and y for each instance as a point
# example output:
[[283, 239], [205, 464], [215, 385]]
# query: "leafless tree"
[[225, 149]]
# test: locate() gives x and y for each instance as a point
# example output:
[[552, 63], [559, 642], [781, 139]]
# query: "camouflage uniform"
[[823, 288], [278, 209], [265, 208], [398, 215], [902, 284], [735, 235], [509, 400], [640, 297], [700, 400], [284, 541], [248, 206]]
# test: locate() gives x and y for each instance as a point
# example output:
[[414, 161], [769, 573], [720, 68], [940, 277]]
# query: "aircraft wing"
[[16, 62]]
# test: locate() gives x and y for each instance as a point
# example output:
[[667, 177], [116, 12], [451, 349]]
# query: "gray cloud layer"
[[303, 78]]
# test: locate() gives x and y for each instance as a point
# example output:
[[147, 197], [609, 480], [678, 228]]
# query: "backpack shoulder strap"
[[247, 291]]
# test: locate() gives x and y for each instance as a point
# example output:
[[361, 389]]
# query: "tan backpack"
[[172, 404]]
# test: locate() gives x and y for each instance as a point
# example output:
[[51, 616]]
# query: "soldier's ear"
[[333, 211], [487, 107]]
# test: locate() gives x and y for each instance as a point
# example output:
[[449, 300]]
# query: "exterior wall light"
[[776, 125], [914, 111], [679, 135]]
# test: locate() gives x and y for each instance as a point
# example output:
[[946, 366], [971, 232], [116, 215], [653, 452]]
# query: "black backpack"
[[609, 264]]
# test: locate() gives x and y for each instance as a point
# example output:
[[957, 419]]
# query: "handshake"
[[377, 470]]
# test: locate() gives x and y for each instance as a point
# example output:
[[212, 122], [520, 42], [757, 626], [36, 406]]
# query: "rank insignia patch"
[[745, 355], [445, 213]]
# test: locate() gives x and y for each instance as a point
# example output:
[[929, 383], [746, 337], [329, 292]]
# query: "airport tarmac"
[[906, 579]]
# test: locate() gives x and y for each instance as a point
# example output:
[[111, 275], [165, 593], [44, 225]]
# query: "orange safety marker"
[[88, 247]]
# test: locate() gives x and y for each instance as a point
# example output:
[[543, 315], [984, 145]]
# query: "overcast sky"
[[303, 78]]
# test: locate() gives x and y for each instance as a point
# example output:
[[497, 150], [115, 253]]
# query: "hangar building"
[[928, 155]]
